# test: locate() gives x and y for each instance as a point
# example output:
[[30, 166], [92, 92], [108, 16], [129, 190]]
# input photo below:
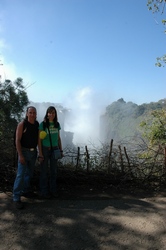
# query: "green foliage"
[[13, 100], [158, 6], [160, 61], [155, 127]]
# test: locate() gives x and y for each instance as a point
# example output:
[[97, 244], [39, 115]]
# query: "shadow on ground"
[[90, 213], [112, 223]]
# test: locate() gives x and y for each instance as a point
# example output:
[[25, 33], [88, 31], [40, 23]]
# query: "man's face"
[[31, 114]]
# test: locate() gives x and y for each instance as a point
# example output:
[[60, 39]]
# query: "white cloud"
[[7, 70], [79, 99], [82, 96], [3, 44]]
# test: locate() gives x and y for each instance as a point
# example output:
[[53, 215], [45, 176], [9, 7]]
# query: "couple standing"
[[30, 135]]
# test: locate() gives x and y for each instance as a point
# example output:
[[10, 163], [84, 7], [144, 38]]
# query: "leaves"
[[13, 100], [155, 127], [157, 6]]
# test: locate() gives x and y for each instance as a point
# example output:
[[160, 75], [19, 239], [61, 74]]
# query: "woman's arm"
[[40, 156], [60, 143]]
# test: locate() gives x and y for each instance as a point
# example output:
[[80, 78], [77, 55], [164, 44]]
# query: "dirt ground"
[[85, 218]]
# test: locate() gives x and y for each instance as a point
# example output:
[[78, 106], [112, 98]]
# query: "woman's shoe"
[[18, 204], [55, 195]]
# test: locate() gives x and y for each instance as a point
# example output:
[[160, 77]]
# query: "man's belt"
[[29, 149]]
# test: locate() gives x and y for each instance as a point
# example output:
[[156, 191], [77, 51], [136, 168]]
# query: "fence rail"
[[117, 161]]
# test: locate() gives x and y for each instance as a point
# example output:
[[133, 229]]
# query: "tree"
[[13, 100], [158, 6]]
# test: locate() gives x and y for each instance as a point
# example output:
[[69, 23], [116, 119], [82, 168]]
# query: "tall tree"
[[13, 100]]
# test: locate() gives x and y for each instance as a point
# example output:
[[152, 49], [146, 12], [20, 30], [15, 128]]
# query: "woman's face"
[[51, 115]]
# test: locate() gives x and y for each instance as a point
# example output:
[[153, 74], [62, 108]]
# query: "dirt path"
[[85, 223]]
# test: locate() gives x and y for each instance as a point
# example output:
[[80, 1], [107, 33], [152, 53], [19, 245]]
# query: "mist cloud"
[[84, 115]]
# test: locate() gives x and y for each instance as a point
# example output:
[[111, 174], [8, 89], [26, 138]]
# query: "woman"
[[49, 141]]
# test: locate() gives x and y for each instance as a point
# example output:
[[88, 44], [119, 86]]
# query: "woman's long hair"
[[46, 120]]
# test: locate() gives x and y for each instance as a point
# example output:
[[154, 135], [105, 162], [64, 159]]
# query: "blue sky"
[[83, 50]]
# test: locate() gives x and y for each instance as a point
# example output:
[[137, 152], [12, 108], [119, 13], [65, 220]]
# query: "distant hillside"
[[121, 119]]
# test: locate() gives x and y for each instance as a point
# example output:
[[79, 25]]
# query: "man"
[[26, 145]]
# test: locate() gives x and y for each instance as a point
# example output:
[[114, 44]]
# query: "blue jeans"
[[48, 173], [24, 175]]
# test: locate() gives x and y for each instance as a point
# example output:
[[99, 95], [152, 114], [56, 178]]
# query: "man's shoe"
[[29, 195], [18, 204], [46, 196]]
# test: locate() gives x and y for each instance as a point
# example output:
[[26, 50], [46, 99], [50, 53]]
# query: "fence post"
[[109, 157], [87, 155], [128, 161], [78, 157], [121, 158]]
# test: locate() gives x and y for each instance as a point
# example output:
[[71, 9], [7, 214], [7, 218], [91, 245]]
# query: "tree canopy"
[[13, 100]]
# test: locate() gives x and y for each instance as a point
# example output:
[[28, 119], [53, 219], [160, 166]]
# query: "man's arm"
[[19, 132]]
